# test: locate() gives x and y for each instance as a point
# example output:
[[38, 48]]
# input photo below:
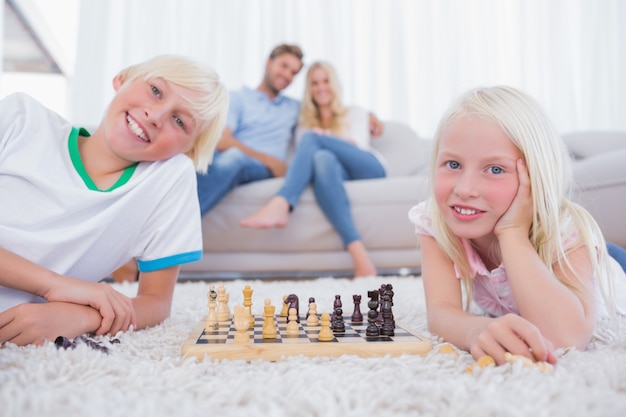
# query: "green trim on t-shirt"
[[80, 168]]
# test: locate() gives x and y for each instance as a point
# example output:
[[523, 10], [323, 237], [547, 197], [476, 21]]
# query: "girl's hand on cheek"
[[519, 215]]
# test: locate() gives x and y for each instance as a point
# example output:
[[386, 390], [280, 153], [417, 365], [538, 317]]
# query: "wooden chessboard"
[[222, 343]]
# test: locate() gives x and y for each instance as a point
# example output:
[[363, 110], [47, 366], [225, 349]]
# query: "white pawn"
[[211, 319], [312, 320], [293, 328], [223, 312], [241, 323]]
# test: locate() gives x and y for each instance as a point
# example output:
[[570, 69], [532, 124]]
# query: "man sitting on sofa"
[[260, 125]]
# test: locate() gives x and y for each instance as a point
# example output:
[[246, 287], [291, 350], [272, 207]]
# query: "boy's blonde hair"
[[309, 113], [210, 111], [551, 179]]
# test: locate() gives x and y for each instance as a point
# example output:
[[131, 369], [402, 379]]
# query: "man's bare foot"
[[274, 214], [363, 265]]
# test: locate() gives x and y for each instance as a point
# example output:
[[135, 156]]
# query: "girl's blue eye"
[[496, 170], [155, 90], [179, 121], [453, 164]]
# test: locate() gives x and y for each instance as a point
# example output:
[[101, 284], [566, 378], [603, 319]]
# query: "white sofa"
[[309, 246]]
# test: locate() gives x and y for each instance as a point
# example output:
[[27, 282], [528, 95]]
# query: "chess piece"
[[293, 328], [223, 312], [241, 324], [388, 327], [247, 303], [312, 319], [379, 318], [269, 325], [311, 300], [211, 318], [336, 303], [372, 329], [389, 291], [285, 311], [357, 317], [338, 325], [325, 334], [294, 302]]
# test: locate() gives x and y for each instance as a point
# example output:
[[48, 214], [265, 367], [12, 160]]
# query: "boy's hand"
[[116, 309], [31, 323], [513, 334], [519, 215]]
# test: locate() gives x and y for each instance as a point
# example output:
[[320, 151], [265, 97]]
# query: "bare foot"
[[274, 214], [363, 265]]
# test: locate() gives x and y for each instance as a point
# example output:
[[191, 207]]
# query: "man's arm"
[[275, 165]]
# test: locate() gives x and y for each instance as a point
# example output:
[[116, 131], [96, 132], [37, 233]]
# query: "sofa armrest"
[[589, 143], [405, 152]]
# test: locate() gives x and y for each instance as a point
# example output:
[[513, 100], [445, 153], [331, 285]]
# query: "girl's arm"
[[564, 315], [480, 335]]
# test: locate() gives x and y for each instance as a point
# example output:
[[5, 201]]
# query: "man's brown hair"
[[287, 49]]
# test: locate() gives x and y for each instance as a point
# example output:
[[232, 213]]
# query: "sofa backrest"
[[405, 152]]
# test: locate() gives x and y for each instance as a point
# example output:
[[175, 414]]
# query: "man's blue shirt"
[[262, 124]]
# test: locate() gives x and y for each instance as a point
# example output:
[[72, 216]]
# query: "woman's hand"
[[519, 215], [513, 334], [116, 309]]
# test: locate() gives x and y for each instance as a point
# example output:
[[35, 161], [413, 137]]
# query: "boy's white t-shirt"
[[50, 216]]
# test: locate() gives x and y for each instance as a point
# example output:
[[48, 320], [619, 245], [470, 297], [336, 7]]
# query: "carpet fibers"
[[145, 374]]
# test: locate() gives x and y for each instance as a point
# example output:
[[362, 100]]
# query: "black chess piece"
[[389, 291], [372, 329], [338, 325], [381, 292], [308, 312], [388, 328], [336, 303], [293, 301], [357, 317]]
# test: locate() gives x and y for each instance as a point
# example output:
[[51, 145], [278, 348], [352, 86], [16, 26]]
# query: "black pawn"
[[372, 329], [357, 317], [388, 328], [338, 325]]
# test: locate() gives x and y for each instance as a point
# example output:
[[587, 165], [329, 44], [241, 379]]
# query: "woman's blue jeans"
[[325, 162]]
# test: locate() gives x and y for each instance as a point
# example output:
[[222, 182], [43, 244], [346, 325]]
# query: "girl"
[[334, 147], [77, 206], [499, 219]]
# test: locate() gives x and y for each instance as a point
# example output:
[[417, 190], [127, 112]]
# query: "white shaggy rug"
[[145, 375]]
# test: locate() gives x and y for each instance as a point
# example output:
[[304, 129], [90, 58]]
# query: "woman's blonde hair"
[[309, 113], [551, 179], [210, 111]]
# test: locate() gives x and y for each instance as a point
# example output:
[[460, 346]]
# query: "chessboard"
[[225, 343]]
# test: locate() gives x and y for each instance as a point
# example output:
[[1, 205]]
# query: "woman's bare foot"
[[274, 214], [363, 265]]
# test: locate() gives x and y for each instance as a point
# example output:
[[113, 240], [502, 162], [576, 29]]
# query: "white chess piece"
[[312, 320], [293, 328], [269, 325], [223, 312], [211, 319]]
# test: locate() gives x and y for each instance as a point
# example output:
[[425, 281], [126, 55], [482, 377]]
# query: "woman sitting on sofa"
[[333, 145]]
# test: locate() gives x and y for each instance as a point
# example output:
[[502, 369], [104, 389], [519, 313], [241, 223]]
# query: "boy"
[[76, 207]]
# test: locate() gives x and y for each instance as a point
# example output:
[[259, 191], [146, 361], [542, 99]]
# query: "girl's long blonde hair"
[[210, 111], [309, 112], [551, 179]]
